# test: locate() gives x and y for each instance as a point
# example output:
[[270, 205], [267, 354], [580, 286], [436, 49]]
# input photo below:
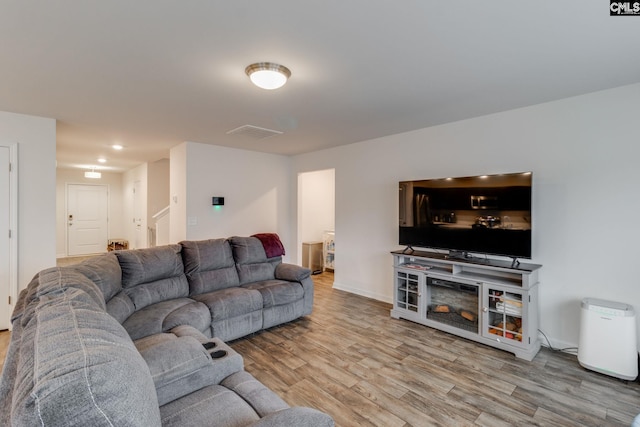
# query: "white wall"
[[76, 176], [137, 236], [36, 139], [316, 206], [584, 154], [157, 200], [256, 187], [178, 193], [158, 192]]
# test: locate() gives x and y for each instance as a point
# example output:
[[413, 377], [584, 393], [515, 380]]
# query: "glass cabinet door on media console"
[[505, 315], [407, 297]]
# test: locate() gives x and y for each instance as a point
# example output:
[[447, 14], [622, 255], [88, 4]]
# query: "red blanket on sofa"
[[273, 247]]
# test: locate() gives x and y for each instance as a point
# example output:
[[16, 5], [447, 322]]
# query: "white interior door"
[[137, 216], [5, 265], [87, 219]]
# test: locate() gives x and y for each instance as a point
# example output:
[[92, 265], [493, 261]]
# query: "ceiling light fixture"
[[116, 147], [268, 75], [92, 173], [102, 160]]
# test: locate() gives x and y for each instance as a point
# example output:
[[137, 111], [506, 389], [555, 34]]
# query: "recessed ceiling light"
[[102, 160], [117, 147], [268, 75]]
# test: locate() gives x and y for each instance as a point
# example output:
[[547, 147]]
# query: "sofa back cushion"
[[104, 271], [121, 306], [153, 275], [77, 366], [56, 279], [209, 265], [251, 260]]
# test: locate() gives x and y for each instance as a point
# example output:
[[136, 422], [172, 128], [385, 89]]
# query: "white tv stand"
[[490, 301]]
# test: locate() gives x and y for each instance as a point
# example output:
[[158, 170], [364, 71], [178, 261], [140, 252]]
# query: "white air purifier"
[[608, 340]]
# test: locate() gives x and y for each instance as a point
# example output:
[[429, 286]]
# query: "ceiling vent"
[[254, 132]]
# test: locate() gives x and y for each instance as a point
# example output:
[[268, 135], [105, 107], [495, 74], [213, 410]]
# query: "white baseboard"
[[361, 292], [556, 344]]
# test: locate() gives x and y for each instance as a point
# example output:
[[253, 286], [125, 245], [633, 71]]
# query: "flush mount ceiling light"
[[268, 75], [92, 173]]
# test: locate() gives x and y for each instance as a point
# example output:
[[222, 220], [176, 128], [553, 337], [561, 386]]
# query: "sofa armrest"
[[296, 416], [291, 272], [178, 366], [295, 273], [226, 365], [181, 365]]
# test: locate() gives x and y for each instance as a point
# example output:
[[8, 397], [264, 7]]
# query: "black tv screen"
[[488, 214]]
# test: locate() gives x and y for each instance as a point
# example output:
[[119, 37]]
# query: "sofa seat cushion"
[[211, 406], [280, 314], [178, 365], [231, 302], [277, 292], [209, 265], [78, 367], [165, 315]]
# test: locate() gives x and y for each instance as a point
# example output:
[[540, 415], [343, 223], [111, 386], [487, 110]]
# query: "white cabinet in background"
[[328, 249]]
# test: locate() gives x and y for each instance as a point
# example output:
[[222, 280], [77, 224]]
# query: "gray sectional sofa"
[[136, 338]]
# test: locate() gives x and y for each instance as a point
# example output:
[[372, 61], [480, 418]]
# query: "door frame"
[[327, 197], [66, 210], [13, 224]]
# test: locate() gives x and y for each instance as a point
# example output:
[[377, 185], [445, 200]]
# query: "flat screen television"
[[488, 214]]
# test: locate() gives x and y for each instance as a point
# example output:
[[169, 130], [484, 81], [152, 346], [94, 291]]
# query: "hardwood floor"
[[350, 359], [4, 345]]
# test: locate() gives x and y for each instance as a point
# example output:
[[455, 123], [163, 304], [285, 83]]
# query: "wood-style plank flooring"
[[350, 359], [4, 346]]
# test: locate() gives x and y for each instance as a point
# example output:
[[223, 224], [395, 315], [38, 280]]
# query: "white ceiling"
[[151, 74]]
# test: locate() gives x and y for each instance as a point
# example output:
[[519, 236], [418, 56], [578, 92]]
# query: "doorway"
[[316, 207], [87, 219], [138, 241]]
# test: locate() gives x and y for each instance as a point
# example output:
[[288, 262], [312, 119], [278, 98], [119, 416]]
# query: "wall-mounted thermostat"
[[217, 201]]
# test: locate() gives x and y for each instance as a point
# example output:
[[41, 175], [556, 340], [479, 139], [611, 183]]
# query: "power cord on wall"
[[568, 350]]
